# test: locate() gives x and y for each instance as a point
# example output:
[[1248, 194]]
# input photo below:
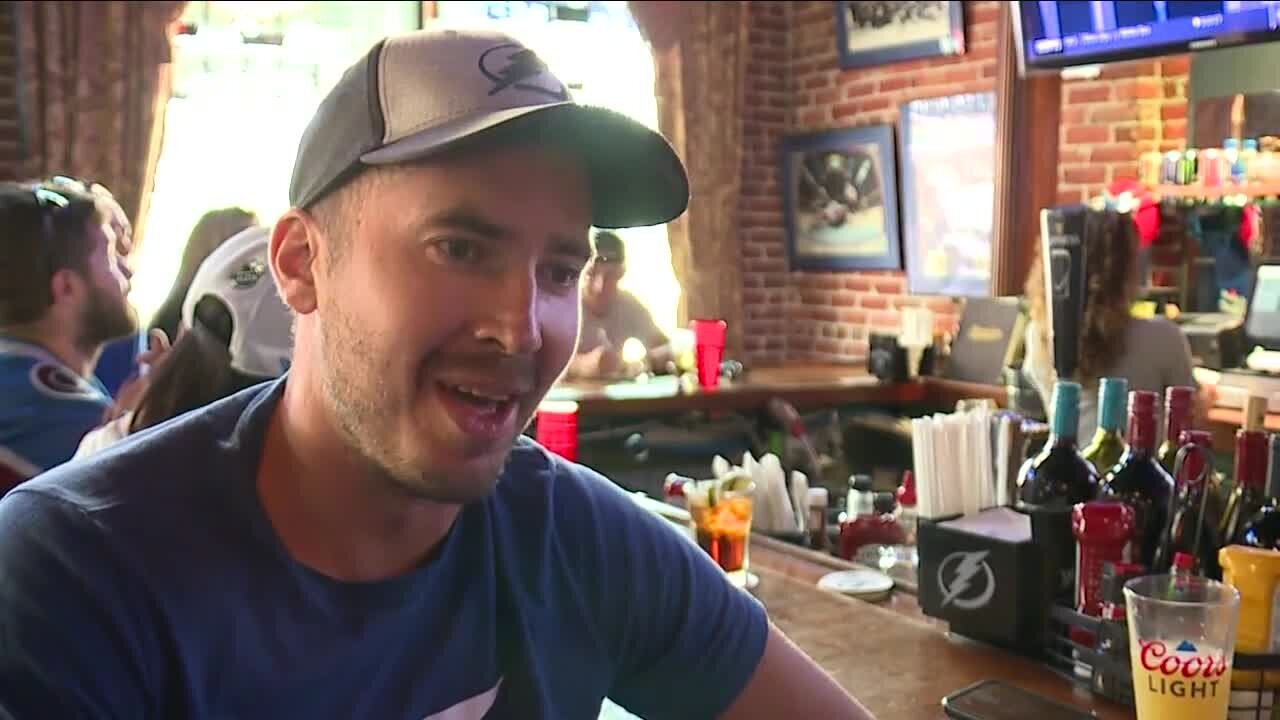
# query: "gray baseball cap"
[[416, 94]]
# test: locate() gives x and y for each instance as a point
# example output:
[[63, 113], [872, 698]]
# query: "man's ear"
[[64, 286], [293, 254]]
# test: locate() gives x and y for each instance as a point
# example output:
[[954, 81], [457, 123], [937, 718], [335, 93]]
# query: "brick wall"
[[796, 85], [1107, 123], [827, 316], [765, 282]]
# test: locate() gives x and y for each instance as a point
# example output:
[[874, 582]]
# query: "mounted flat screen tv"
[[1062, 34]]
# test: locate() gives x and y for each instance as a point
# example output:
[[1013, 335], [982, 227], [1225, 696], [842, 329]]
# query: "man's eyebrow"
[[461, 218], [568, 247]]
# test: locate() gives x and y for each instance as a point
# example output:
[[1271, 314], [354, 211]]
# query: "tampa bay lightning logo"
[[966, 580], [511, 66]]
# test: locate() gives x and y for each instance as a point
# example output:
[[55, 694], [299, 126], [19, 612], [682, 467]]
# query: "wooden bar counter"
[[811, 387], [901, 667], [806, 386], [896, 660]]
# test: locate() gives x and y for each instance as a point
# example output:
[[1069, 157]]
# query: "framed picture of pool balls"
[[840, 199]]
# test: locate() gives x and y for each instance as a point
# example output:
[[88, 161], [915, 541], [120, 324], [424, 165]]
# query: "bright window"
[[245, 85], [249, 78], [605, 62]]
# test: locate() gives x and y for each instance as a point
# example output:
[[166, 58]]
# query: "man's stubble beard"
[[104, 319], [363, 409]]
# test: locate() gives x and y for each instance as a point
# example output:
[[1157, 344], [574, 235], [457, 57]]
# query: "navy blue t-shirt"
[[147, 582]]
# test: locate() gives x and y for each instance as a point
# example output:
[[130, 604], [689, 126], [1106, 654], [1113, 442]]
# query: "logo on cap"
[[521, 66], [249, 274]]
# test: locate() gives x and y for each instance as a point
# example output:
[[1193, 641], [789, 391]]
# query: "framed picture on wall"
[[840, 199], [876, 33], [948, 193]]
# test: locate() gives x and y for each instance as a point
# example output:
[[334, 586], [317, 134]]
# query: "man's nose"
[[512, 320]]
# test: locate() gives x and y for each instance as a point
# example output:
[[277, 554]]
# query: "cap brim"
[[636, 177]]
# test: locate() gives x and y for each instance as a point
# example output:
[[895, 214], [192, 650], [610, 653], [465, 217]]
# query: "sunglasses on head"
[[47, 198], [83, 185]]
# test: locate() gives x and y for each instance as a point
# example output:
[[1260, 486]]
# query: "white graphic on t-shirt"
[[473, 708]]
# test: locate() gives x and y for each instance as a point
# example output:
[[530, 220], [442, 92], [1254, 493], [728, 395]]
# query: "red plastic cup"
[[557, 428], [708, 350]]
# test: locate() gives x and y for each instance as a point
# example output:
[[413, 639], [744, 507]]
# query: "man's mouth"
[[486, 414], [482, 399]]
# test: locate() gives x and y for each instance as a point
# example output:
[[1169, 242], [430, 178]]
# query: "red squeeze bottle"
[[1102, 530]]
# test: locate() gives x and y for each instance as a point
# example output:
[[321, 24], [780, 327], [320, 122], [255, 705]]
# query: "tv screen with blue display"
[[1063, 34]]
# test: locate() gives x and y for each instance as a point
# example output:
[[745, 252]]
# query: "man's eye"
[[564, 276], [459, 250]]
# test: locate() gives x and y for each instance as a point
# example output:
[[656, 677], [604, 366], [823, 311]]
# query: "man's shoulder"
[[545, 497], [630, 302], [170, 462], [45, 411], [533, 467], [30, 378]]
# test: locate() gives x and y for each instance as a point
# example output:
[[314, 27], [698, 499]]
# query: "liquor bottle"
[[1178, 404], [1263, 529], [1104, 451], [1139, 481], [1059, 477], [1195, 527], [1249, 495]]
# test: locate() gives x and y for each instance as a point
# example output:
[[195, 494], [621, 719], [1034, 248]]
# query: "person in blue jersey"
[[371, 536], [120, 359], [123, 361], [62, 297]]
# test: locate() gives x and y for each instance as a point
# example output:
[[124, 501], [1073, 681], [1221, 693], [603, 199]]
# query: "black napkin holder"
[[987, 579], [889, 362], [887, 359]]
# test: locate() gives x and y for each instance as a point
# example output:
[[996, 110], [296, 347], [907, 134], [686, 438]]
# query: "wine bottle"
[[1249, 495], [1178, 402], [1195, 527], [1052, 483], [1059, 477], [1263, 529], [1140, 481], [1104, 451]]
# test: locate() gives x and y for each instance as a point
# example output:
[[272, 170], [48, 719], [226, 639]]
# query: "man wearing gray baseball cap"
[[371, 536]]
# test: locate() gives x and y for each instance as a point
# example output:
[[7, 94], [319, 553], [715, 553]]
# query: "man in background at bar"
[[371, 536], [63, 289], [611, 315]]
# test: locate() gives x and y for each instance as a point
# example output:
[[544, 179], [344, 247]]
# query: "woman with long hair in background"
[[1151, 353]]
